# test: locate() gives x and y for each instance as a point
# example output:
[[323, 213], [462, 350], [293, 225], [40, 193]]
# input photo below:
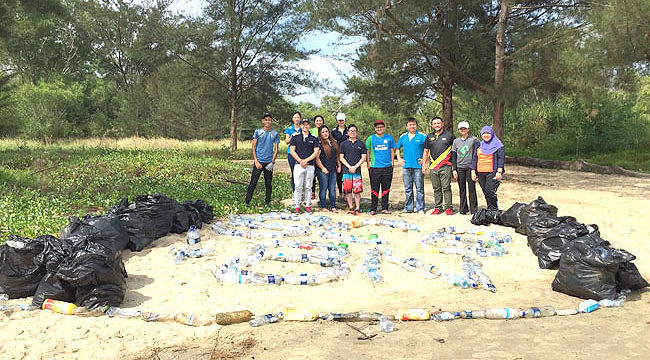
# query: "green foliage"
[[89, 180]]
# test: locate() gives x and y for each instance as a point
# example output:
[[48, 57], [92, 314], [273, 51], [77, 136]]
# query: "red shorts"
[[352, 183]]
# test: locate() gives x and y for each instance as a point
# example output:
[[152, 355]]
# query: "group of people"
[[335, 157]]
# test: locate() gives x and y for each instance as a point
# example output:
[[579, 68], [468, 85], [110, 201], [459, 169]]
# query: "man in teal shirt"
[[413, 143], [381, 151]]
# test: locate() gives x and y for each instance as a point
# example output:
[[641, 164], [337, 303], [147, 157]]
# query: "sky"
[[332, 62]]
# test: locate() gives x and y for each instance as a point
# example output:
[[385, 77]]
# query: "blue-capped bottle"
[[193, 239]]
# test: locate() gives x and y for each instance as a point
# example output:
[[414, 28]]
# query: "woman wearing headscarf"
[[487, 166]]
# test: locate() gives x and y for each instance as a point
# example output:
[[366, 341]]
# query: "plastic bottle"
[[386, 324], [588, 306], [60, 307], [179, 254], [266, 319], [412, 314], [445, 316], [193, 238], [19, 307], [122, 312], [472, 314], [535, 312], [4, 297], [565, 312], [193, 320], [347, 317], [84, 312], [502, 313], [197, 253], [293, 314], [233, 317]]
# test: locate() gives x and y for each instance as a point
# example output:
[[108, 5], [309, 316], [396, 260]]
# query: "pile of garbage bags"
[[588, 266], [84, 264]]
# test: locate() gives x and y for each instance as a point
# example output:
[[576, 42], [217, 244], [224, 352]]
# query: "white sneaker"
[[404, 211], [421, 212]]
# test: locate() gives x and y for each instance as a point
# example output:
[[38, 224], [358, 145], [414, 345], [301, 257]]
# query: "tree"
[[248, 48]]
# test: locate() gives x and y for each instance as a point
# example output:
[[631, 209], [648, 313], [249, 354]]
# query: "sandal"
[[351, 212], [385, 212], [373, 212], [335, 210], [357, 211]]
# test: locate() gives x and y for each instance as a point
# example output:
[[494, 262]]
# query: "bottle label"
[[271, 279]]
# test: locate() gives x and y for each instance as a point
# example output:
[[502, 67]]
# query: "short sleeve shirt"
[[305, 145], [338, 135], [352, 152], [439, 149], [328, 161], [265, 142], [379, 147], [413, 149], [464, 150], [290, 130]]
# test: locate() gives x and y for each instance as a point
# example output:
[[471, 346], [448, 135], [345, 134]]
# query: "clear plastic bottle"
[[347, 317], [4, 297], [266, 319], [472, 314], [386, 324], [588, 306], [502, 313], [445, 316], [536, 312], [565, 312], [122, 312], [193, 238], [197, 253]]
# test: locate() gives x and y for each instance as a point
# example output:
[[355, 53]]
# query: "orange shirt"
[[484, 162]]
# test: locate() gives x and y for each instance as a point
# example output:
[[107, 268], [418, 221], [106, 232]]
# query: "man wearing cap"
[[340, 134], [381, 151], [437, 162], [413, 143], [461, 162], [304, 148], [265, 150]]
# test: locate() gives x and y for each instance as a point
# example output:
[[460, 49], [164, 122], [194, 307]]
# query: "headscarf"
[[489, 147]]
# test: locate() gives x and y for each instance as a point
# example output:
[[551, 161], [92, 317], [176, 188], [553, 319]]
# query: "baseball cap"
[[305, 120], [267, 114], [463, 124], [379, 122], [340, 116]]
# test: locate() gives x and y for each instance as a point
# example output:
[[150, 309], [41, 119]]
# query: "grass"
[[44, 184]]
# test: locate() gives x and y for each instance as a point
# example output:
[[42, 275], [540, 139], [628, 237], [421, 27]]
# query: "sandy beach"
[[618, 205]]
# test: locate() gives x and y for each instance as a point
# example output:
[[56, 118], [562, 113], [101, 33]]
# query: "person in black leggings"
[[488, 166]]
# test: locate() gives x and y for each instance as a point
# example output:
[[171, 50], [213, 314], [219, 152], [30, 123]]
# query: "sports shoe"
[[436, 211], [308, 209], [296, 210], [449, 212], [405, 211], [421, 212]]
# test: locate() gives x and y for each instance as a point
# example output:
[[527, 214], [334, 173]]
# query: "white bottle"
[[502, 313], [193, 239]]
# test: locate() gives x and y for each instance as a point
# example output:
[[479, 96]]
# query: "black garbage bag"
[[536, 231], [52, 287], [180, 222], [511, 217], [557, 238], [588, 267], [480, 218], [486, 217], [107, 230], [55, 252], [193, 215], [159, 209], [532, 211], [97, 273], [139, 228], [628, 277], [206, 211], [19, 275]]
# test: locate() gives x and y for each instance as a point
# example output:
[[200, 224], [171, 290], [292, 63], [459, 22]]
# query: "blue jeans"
[[326, 183], [413, 176]]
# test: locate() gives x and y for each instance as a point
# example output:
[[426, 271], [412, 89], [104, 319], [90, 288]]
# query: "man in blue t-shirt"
[[413, 143], [265, 150], [380, 150]]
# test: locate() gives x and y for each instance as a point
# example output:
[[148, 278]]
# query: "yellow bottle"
[[291, 314], [412, 314], [60, 307]]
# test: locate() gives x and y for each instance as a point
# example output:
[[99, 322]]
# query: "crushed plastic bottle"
[[502, 313], [4, 297], [386, 324], [412, 314], [445, 316], [233, 317], [536, 312], [126, 313], [588, 306], [266, 319]]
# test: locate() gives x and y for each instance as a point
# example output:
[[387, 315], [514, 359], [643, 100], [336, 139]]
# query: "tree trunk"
[[233, 123], [447, 97], [499, 69]]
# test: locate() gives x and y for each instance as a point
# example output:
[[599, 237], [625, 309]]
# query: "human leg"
[[445, 180], [322, 184], [255, 176], [437, 188], [375, 178], [418, 180], [268, 179], [309, 181], [462, 187], [386, 181], [292, 164], [407, 177], [299, 175], [491, 196], [331, 187], [471, 188]]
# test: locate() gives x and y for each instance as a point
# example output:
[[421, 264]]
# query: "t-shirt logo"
[[385, 141], [464, 151]]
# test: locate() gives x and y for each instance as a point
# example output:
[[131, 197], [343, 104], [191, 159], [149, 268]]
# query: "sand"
[[617, 204]]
